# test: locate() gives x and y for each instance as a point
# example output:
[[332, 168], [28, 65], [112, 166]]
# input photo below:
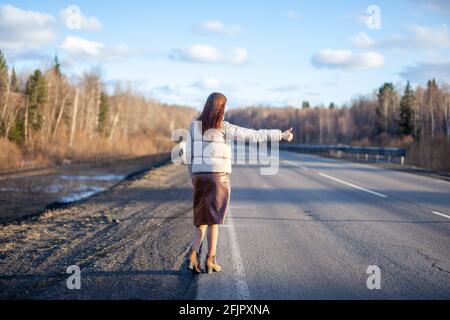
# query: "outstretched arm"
[[257, 136], [242, 134]]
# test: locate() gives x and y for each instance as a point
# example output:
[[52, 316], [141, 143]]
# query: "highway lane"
[[312, 230]]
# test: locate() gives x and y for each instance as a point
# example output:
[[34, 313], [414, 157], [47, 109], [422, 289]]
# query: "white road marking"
[[352, 185], [241, 282], [295, 164], [440, 214]]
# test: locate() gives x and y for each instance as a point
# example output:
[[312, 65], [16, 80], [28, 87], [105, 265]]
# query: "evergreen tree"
[[36, 91], [407, 106], [432, 85], [431, 104], [57, 66], [3, 88], [14, 81], [3, 79], [17, 132], [103, 112], [332, 106], [305, 105], [385, 97]]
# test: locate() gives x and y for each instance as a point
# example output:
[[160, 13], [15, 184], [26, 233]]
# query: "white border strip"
[[241, 282], [440, 214], [352, 185]]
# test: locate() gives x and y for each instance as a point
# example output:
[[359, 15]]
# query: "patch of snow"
[[108, 177], [11, 190], [89, 191]]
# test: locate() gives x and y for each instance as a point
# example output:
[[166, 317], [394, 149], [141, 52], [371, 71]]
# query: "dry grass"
[[84, 149], [10, 155], [430, 153]]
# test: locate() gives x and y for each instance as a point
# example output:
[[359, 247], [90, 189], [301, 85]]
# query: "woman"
[[210, 172]]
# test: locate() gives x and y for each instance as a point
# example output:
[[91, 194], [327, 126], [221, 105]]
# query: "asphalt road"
[[312, 231], [308, 232]]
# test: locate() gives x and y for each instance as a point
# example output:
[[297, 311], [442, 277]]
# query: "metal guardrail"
[[399, 152], [340, 149]]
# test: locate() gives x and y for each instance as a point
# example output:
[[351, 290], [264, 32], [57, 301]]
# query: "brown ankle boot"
[[212, 266], [194, 264]]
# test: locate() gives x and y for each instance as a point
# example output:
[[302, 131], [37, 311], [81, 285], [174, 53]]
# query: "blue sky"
[[256, 52]]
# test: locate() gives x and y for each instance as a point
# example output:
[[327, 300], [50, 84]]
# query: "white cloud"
[[191, 93], [217, 27], [22, 29], [238, 56], [430, 37], [208, 54], [80, 48], [440, 6], [77, 46], [362, 40], [178, 94], [200, 53], [347, 60], [422, 72], [207, 84], [86, 23], [419, 37]]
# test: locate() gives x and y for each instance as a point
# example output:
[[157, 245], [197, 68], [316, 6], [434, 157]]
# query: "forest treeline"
[[415, 118], [47, 119]]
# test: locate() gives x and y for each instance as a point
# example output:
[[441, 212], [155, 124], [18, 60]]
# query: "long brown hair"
[[213, 111]]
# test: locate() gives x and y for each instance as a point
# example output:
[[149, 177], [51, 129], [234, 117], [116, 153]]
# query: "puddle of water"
[[90, 190], [11, 190], [47, 189], [108, 177], [56, 188], [66, 188], [85, 191]]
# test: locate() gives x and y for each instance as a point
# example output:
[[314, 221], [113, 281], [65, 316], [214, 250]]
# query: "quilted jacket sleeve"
[[190, 153], [244, 134]]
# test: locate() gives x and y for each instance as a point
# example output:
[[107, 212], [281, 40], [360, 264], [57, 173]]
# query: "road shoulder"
[[130, 243]]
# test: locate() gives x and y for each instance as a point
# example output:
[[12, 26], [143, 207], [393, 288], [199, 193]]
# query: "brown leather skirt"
[[211, 197]]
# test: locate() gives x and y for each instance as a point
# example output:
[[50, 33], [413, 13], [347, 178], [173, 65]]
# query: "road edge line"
[[241, 282], [440, 214], [349, 184]]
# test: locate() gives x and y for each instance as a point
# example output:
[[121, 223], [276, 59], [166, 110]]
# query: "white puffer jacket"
[[211, 152]]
